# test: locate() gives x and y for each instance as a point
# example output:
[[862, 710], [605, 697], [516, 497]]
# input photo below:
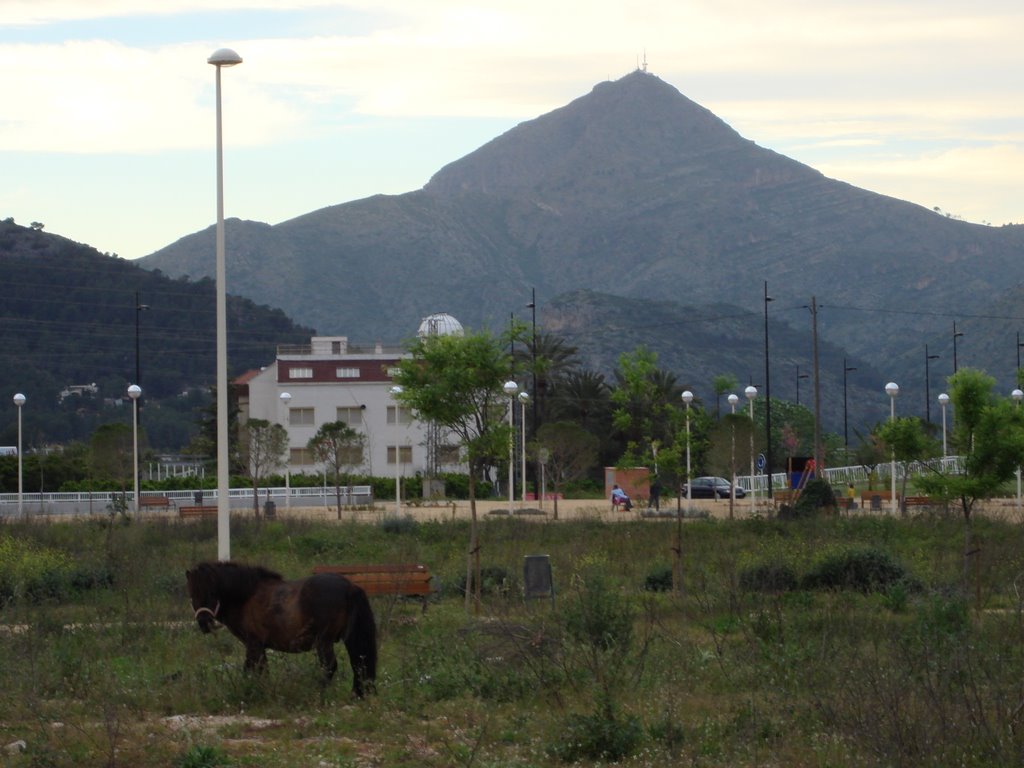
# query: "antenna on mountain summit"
[[643, 68]]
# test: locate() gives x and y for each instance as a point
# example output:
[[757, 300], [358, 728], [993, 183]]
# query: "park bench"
[[918, 501], [161, 502], [201, 513], [400, 579]]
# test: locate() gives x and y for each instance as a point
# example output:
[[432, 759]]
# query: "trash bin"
[[876, 503], [269, 509], [198, 497]]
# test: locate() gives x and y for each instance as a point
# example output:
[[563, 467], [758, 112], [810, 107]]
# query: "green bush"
[[600, 617], [399, 525], [768, 577], [659, 580], [599, 736], [31, 572], [864, 570]]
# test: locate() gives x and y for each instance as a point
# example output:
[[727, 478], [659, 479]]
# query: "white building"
[[333, 380]]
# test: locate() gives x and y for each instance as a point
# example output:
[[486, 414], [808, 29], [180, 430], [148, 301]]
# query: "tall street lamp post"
[[139, 309], [524, 399], [19, 400], [395, 392], [223, 57], [532, 306], [943, 402], [846, 432], [511, 388], [956, 335], [892, 389], [798, 377], [927, 385], [286, 397], [767, 396], [135, 392]]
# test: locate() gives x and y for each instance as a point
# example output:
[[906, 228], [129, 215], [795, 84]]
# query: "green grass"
[[924, 672]]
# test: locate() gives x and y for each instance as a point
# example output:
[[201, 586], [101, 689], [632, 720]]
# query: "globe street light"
[[395, 392], [135, 392], [511, 388], [944, 401], [222, 57], [733, 399], [19, 400], [1017, 396], [751, 393], [688, 398], [285, 398], [524, 398], [892, 389]]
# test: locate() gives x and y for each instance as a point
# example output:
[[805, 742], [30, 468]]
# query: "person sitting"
[[619, 498]]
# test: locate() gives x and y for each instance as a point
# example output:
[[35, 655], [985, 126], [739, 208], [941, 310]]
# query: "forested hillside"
[[68, 317]]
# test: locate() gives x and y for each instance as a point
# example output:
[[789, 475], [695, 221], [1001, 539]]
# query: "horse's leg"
[[325, 653], [255, 658]]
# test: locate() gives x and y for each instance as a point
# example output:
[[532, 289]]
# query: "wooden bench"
[[918, 501], [163, 502], [401, 579], [202, 513]]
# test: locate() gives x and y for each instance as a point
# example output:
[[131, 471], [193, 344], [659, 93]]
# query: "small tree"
[[989, 435], [569, 452], [906, 441], [338, 447], [456, 382], [267, 444]]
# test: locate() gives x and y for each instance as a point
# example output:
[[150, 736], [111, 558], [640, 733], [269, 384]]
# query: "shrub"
[[399, 525], [768, 577], [493, 580], [659, 580], [599, 736], [865, 570], [600, 618]]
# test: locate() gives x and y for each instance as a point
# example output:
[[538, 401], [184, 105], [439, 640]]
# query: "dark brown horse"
[[264, 611]]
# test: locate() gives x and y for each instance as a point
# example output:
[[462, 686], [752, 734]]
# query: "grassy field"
[[820, 642]]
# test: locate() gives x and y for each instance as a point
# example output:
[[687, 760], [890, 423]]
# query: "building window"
[[300, 457], [404, 415], [300, 417], [335, 347], [448, 454], [404, 454], [300, 373], [346, 373], [351, 416]]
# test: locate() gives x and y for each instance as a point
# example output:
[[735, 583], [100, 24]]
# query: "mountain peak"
[[636, 125]]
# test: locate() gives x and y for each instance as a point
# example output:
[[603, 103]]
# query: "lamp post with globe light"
[[943, 402], [510, 388], [19, 401], [1017, 396], [135, 392], [524, 398], [687, 399], [395, 392], [892, 389], [285, 398], [751, 393], [222, 57], [733, 399]]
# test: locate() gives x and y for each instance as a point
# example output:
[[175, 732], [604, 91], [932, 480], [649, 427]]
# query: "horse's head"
[[203, 594]]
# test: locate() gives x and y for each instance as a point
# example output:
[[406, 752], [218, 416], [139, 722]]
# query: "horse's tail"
[[361, 640]]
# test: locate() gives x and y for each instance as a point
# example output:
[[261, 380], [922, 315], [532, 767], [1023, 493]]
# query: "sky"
[[107, 124]]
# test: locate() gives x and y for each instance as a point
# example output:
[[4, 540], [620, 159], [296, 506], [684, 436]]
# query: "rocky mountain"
[[632, 190]]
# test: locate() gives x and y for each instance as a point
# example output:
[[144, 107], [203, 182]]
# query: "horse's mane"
[[229, 579]]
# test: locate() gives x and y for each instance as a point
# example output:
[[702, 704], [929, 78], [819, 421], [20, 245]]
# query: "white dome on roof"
[[440, 324]]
